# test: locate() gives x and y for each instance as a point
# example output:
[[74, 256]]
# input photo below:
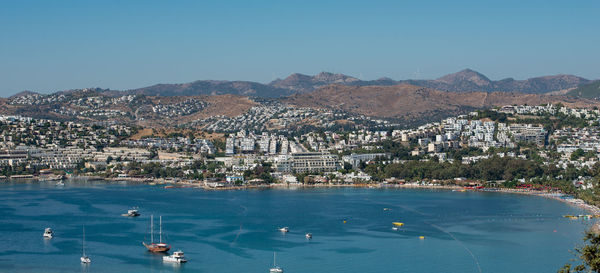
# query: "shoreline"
[[170, 183]]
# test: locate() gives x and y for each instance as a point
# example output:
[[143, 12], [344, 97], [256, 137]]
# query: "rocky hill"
[[300, 83], [468, 80], [243, 88]]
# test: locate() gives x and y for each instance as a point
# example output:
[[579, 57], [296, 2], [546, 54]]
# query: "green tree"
[[589, 255]]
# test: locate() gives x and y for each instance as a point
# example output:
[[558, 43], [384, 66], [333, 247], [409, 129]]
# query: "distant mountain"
[[300, 83], [588, 91], [412, 102], [466, 80], [463, 81], [469, 80], [243, 88]]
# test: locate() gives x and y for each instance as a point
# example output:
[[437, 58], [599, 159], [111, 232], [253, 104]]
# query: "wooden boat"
[[152, 246]]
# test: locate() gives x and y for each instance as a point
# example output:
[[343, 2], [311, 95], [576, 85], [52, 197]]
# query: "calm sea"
[[236, 231]]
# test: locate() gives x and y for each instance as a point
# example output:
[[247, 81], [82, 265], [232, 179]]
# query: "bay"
[[237, 231]]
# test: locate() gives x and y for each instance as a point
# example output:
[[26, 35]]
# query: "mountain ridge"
[[462, 81]]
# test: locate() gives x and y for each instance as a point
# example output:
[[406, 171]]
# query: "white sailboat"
[[275, 268], [84, 258]]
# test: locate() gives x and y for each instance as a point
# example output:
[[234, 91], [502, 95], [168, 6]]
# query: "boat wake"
[[239, 233], [460, 242]]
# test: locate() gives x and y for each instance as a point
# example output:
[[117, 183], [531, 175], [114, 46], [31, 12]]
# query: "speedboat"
[[177, 257], [48, 233], [284, 229], [275, 268], [308, 235], [131, 213]]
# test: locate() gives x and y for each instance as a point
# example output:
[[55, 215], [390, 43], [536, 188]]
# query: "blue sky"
[[54, 45]]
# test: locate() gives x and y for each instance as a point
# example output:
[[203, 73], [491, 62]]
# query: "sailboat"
[[160, 246], [275, 268], [84, 258]]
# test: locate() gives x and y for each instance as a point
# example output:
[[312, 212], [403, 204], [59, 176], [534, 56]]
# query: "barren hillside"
[[409, 101]]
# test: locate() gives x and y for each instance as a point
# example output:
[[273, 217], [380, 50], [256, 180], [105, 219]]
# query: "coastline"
[[171, 183]]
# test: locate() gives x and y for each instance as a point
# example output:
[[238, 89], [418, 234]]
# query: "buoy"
[[422, 237], [344, 221], [554, 230]]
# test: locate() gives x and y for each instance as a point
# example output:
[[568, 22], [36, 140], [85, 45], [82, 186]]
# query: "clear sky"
[[54, 45]]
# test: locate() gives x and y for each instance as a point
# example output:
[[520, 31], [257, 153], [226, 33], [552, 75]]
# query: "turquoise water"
[[236, 231]]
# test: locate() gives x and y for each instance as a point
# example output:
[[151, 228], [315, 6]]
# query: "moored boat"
[[84, 258], [284, 229], [177, 257], [152, 246], [275, 268], [131, 213], [48, 233]]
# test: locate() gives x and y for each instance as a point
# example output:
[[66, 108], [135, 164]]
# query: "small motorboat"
[[275, 268], [394, 228], [48, 233], [177, 257], [284, 229], [398, 224], [308, 235], [131, 213]]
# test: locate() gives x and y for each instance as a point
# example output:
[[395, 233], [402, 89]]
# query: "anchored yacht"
[[177, 257]]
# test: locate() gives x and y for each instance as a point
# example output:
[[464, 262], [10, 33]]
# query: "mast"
[[83, 244], [152, 229], [160, 228]]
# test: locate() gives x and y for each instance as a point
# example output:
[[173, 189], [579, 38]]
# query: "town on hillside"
[[551, 146]]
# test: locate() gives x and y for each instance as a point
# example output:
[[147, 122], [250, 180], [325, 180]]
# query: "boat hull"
[[174, 260], [157, 247]]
